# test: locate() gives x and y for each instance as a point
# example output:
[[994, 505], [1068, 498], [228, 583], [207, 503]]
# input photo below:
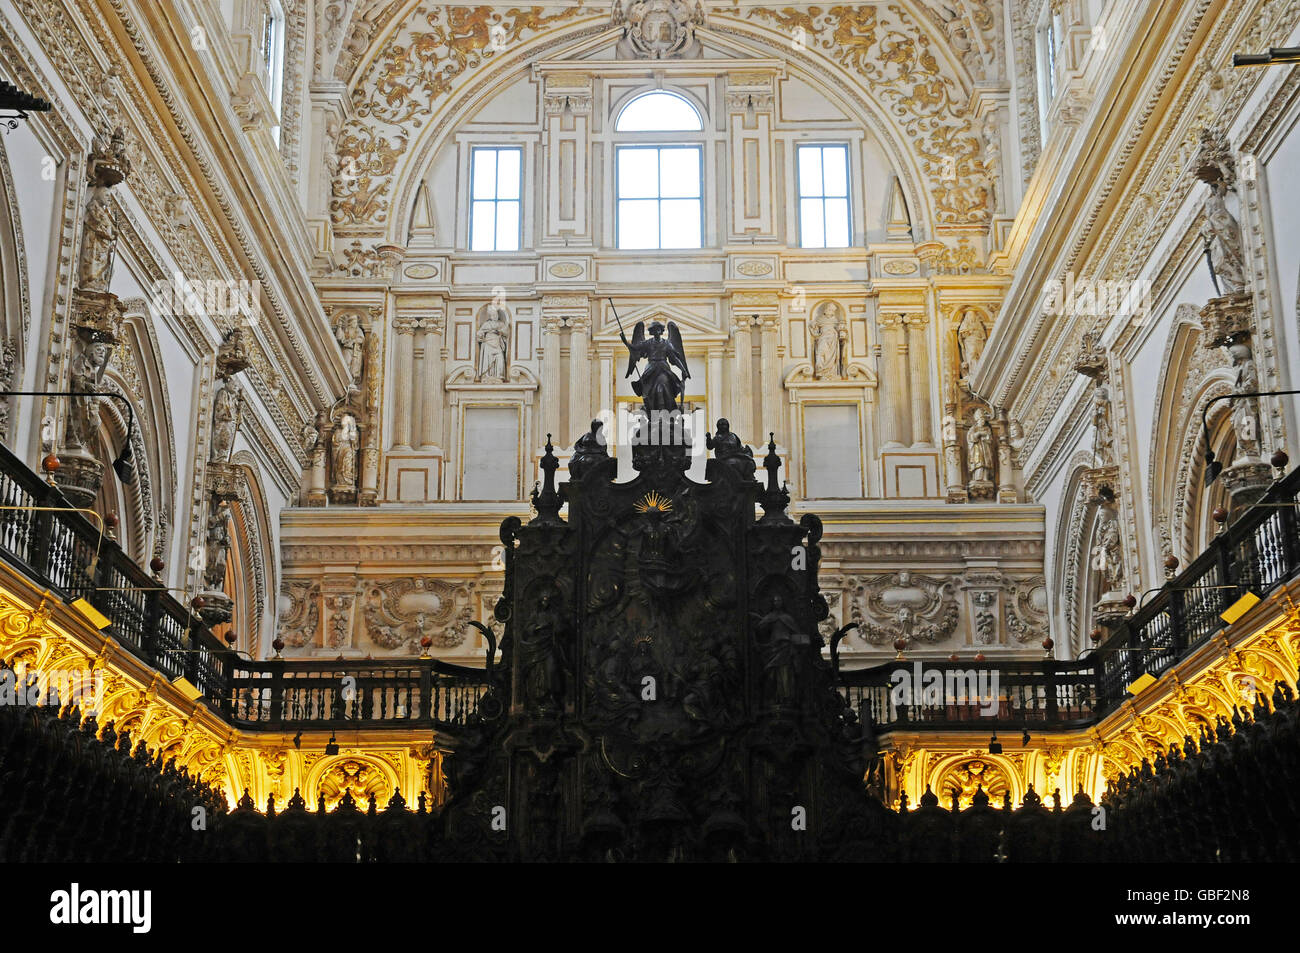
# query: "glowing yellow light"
[[1141, 683], [187, 688], [93, 615], [1239, 608]]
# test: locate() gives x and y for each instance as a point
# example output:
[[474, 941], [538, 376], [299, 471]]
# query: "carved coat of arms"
[[658, 29]]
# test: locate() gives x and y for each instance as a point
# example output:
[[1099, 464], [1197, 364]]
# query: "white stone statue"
[[87, 373], [98, 242], [343, 452], [979, 448], [1223, 234], [1245, 410], [972, 337], [829, 334], [992, 132], [226, 409], [352, 340], [493, 333], [218, 545], [1103, 433], [1107, 552]]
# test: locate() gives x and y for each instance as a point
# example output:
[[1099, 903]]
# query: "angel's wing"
[[675, 342], [634, 349]]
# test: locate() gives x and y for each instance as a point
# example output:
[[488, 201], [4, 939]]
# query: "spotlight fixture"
[[1141, 684], [297, 739], [1024, 739], [995, 746], [124, 466], [332, 746], [1239, 608], [91, 614], [187, 688]]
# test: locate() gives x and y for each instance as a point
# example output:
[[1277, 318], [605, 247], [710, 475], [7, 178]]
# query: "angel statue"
[[657, 386]]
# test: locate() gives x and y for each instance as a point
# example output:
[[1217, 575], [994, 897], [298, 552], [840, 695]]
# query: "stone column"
[[740, 398], [748, 309], [373, 388], [894, 395], [772, 386], [403, 381], [918, 353], [430, 382], [550, 407], [580, 410]]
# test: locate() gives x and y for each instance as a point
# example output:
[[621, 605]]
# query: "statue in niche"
[[829, 335], [98, 242], [657, 386], [979, 447], [778, 634], [543, 658], [971, 337], [992, 131], [493, 333], [729, 452], [227, 408], [1107, 552], [87, 374], [218, 546], [1245, 410], [343, 449], [352, 339], [1103, 433], [1222, 237]]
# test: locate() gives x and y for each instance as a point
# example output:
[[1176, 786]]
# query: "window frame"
[[495, 200], [272, 60], [658, 147], [848, 195], [645, 93]]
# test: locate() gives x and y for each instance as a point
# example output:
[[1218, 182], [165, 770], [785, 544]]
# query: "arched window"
[[659, 185], [658, 112]]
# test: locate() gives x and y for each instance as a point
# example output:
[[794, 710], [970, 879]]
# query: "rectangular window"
[[1049, 57], [271, 43], [823, 196], [660, 202], [494, 210]]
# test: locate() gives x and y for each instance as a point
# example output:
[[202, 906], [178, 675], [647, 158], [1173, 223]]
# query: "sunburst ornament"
[[653, 502]]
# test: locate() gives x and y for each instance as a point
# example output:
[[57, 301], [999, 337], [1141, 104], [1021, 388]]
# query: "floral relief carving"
[[399, 614], [416, 68], [893, 54], [299, 624], [903, 605]]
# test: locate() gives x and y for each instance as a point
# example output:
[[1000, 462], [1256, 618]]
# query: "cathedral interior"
[[533, 511]]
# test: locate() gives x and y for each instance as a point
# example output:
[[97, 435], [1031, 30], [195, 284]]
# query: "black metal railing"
[[1255, 553], [62, 550], [414, 693], [941, 695]]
